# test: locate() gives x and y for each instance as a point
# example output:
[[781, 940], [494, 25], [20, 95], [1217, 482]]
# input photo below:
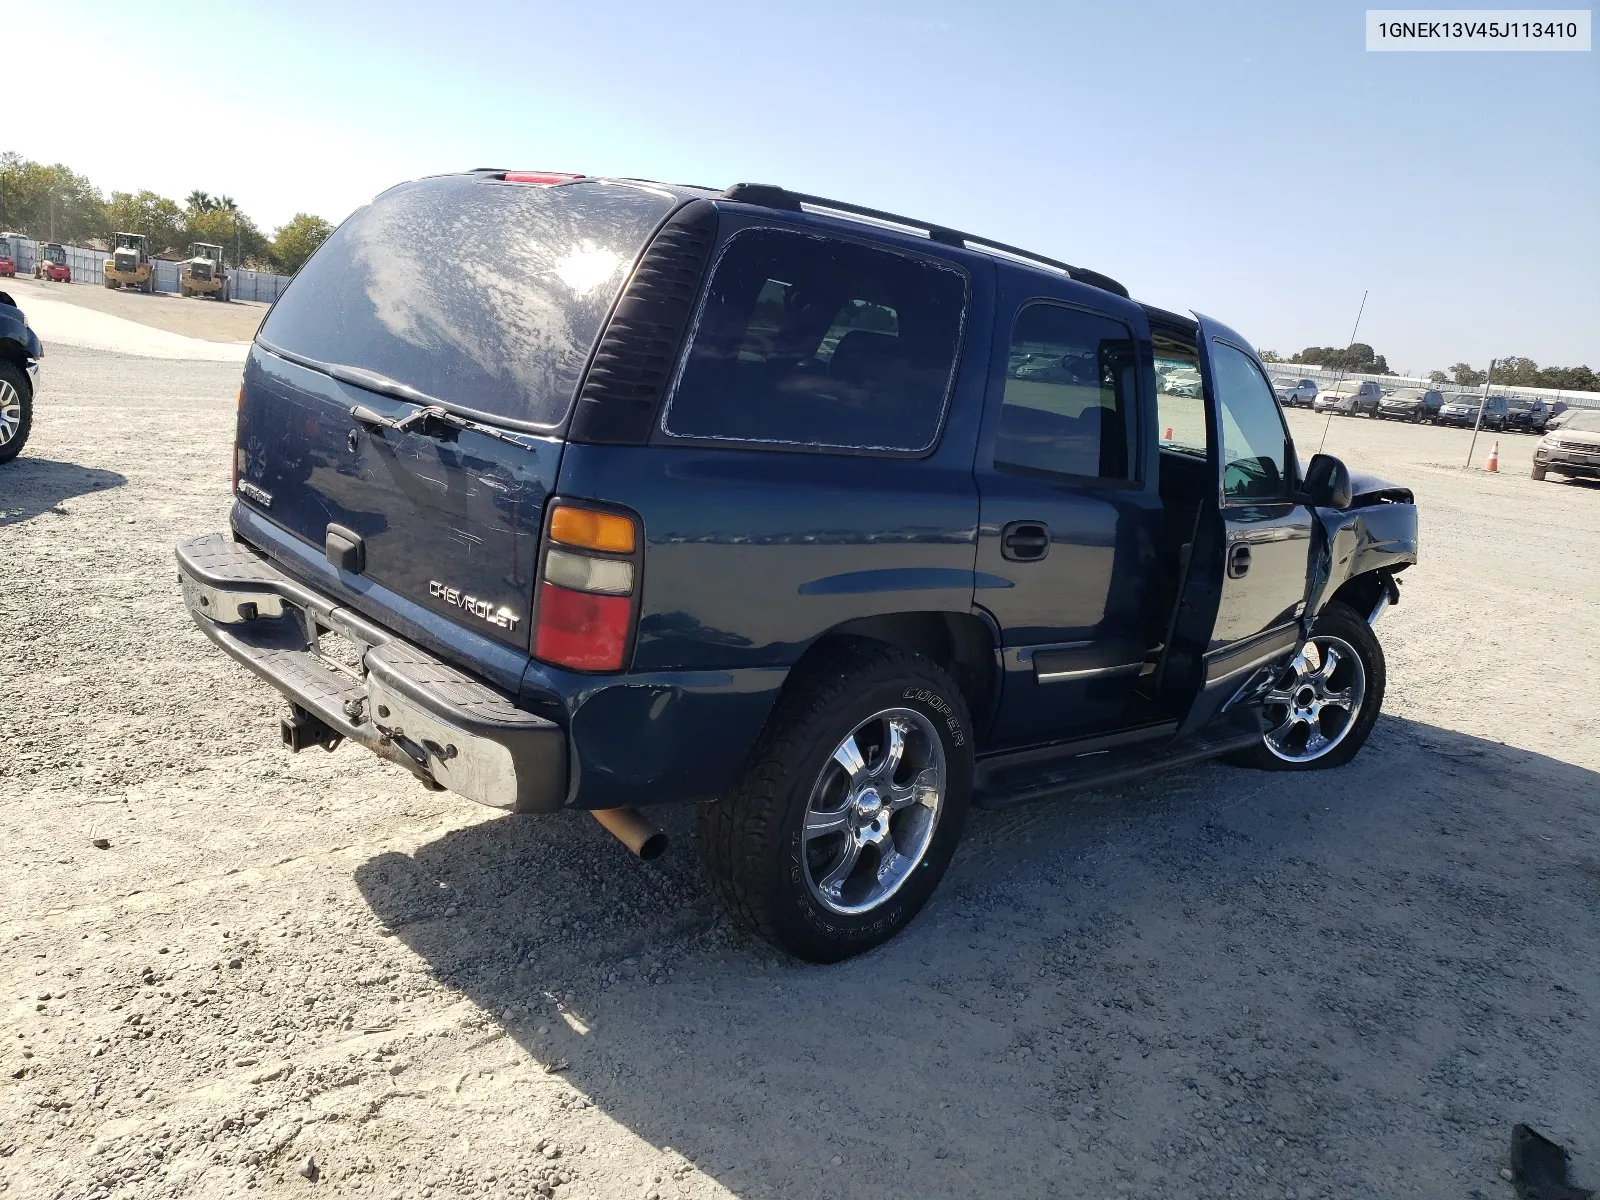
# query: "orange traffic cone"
[[1167, 436], [1492, 463]]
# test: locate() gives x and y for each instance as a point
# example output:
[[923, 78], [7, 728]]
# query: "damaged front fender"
[[1377, 533]]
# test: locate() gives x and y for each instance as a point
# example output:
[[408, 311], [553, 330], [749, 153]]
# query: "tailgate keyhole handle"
[[1238, 562], [1025, 541]]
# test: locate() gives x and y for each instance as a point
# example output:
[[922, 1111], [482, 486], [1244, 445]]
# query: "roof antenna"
[[1344, 365]]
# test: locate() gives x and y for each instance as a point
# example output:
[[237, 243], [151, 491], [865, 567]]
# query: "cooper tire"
[[754, 840], [1341, 625], [16, 410]]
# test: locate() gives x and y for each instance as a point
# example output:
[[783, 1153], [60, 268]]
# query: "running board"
[[1003, 782]]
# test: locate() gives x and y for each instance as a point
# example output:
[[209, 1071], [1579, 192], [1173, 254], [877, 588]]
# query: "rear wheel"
[[850, 807], [16, 411], [1321, 710]]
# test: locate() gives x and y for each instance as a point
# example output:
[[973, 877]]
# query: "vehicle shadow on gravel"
[[30, 487], [1160, 986]]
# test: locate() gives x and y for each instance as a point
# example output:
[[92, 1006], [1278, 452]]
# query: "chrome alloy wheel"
[[10, 412], [873, 810], [1316, 701]]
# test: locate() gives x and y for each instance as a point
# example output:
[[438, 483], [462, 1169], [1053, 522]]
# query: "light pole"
[[1482, 404]]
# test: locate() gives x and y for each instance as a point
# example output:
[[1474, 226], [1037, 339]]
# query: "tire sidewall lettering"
[[941, 706]]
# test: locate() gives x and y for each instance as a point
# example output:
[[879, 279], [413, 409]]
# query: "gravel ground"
[[1219, 983]]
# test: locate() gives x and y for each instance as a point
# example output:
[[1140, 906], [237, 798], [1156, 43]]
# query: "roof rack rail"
[[770, 195]]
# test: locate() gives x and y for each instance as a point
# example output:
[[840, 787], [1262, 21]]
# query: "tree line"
[[1517, 371], [54, 203], [1360, 359]]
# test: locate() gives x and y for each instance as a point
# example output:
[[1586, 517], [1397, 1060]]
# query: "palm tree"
[[226, 204], [200, 202]]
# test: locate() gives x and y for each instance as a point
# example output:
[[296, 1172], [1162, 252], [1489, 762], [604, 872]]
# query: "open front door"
[[1244, 586]]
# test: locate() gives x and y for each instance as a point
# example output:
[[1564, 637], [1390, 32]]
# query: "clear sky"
[[1250, 161]]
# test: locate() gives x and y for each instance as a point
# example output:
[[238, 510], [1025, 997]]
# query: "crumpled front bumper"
[[449, 729]]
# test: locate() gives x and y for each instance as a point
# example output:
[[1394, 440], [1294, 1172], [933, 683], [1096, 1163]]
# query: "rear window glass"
[[806, 340], [486, 295]]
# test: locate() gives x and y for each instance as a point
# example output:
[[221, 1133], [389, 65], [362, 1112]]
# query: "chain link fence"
[[88, 266]]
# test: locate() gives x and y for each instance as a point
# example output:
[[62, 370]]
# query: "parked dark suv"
[[1462, 409], [1411, 404], [827, 519], [1527, 416]]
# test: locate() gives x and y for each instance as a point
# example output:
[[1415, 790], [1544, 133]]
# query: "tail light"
[[588, 591]]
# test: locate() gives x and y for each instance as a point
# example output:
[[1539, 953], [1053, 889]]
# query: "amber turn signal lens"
[[592, 530]]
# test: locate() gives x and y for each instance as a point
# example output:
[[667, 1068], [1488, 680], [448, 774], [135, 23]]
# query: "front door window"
[[1254, 440]]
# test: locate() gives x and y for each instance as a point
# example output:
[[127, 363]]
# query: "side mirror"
[[1328, 482]]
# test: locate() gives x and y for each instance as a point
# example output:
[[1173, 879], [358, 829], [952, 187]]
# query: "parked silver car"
[[1349, 398], [1294, 393], [1573, 450]]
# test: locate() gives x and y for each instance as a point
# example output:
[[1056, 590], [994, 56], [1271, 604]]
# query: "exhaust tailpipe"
[[629, 826]]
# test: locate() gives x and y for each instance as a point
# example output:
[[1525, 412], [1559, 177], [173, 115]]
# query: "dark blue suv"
[[571, 492]]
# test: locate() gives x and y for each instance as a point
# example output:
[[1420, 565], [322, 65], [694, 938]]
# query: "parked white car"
[[1184, 381]]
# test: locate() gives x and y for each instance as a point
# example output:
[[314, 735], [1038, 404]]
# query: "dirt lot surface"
[[235, 321], [1220, 983]]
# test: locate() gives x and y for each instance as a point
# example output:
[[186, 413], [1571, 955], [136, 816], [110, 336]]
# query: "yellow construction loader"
[[129, 265], [203, 273]]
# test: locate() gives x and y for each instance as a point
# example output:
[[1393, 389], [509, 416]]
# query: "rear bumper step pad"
[[447, 728]]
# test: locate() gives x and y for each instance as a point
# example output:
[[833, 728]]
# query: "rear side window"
[[486, 295], [1068, 395], [805, 340]]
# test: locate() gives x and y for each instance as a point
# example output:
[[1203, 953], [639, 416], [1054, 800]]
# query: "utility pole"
[[1476, 425]]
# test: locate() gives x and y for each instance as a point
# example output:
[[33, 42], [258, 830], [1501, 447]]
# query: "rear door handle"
[[1238, 562], [1025, 541]]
